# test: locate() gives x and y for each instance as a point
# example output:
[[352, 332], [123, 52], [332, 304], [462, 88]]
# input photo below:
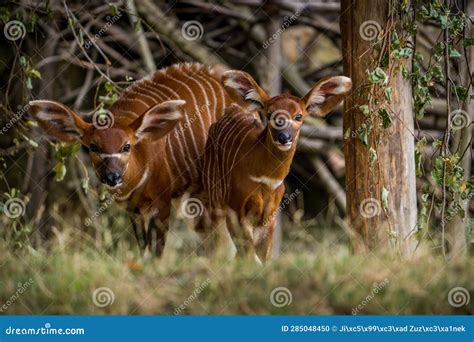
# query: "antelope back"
[[173, 109], [205, 99], [230, 138]]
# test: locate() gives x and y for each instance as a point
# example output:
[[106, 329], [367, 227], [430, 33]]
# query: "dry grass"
[[320, 272]]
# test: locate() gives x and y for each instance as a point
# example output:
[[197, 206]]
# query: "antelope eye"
[[126, 148], [93, 148], [299, 117]]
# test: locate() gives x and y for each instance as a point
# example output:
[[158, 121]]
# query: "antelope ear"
[[159, 120], [58, 121], [326, 94], [243, 89]]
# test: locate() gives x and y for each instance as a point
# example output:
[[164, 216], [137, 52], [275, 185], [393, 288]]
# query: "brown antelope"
[[249, 152], [135, 154]]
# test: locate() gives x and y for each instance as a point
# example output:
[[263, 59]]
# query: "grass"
[[322, 276]]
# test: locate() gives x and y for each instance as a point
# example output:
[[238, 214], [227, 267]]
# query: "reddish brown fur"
[[244, 164], [171, 162]]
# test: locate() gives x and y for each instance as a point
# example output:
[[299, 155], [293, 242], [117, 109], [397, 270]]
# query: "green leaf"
[[460, 92], [453, 53], [66, 150], [384, 196], [437, 143], [377, 76], [443, 19], [113, 9], [103, 195], [29, 83], [4, 14], [137, 26], [60, 171], [85, 184], [385, 116], [347, 134], [81, 38], [109, 87], [372, 155], [34, 73], [437, 73], [419, 156], [363, 135], [468, 41], [364, 109], [388, 92]]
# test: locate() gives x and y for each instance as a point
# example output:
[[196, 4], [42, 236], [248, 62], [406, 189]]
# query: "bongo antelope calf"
[[249, 152], [134, 154]]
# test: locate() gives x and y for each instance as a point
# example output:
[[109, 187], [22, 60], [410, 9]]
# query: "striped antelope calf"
[[249, 152], [134, 154]]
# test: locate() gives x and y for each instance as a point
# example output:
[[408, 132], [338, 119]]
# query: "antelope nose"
[[112, 178], [284, 138]]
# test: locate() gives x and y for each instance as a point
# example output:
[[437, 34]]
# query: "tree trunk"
[[270, 79], [456, 228], [379, 220]]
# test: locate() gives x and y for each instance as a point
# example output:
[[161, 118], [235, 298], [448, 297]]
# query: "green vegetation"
[[321, 273]]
